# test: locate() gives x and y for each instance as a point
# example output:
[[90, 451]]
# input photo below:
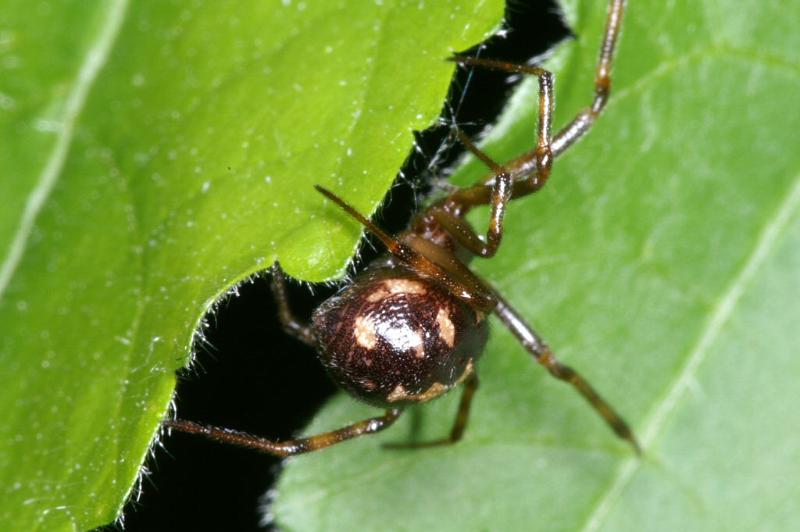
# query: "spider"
[[411, 326]]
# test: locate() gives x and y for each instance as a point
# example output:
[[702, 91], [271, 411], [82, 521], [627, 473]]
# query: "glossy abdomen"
[[392, 338]]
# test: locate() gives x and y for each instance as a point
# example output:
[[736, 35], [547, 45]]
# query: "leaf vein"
[[723, 311], [94, 61]]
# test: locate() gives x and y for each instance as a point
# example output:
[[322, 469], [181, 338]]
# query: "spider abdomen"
[[393, 338]]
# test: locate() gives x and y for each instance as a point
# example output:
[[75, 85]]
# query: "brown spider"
[[410, 327]]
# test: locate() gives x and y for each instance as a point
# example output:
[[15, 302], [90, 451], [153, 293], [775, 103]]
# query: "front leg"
[[530, 171], [449, 212], [505, 182]]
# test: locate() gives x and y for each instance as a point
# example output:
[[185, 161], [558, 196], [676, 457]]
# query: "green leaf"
[[662, 262], [155, 154]]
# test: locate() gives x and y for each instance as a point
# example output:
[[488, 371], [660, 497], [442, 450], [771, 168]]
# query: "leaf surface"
[[155, 154]]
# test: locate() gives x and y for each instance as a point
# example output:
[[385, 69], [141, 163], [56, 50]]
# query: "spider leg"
[[505, 180], [287, 447], [459, 425], [454, 224], [530, 171], [291, 324], [579, 125], [416, 253], [534, 344], [542, 157], [462, 416]]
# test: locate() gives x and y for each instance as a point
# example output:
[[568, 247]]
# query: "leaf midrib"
[[708, 335]]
